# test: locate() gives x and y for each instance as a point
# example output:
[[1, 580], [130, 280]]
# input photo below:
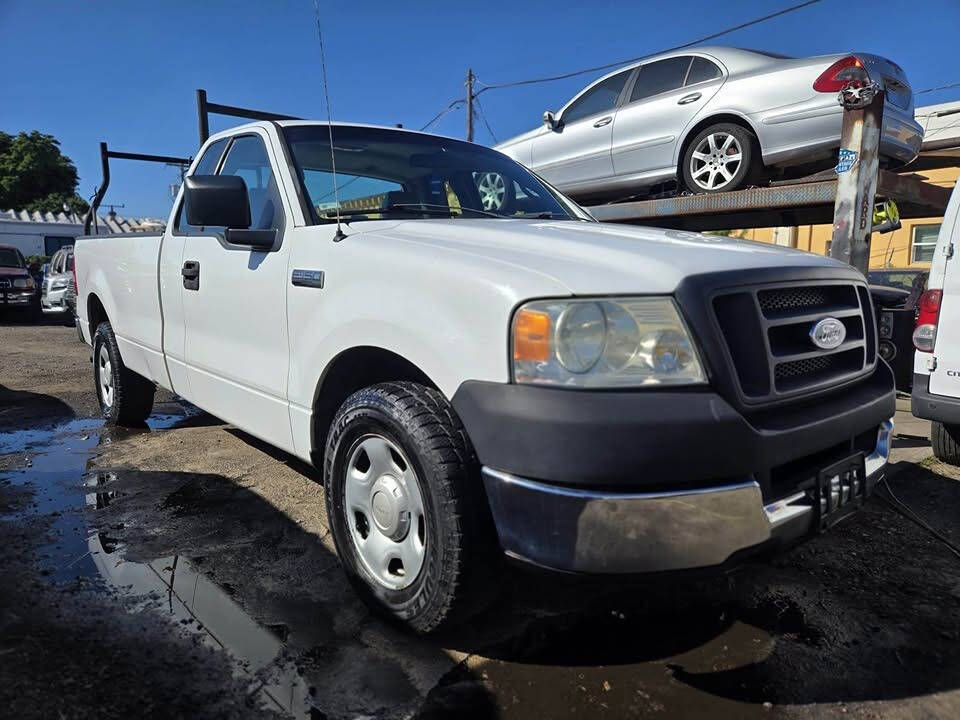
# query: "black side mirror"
[[217, 201]]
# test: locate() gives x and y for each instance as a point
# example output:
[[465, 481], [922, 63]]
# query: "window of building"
[[924, 243], [827, 248]]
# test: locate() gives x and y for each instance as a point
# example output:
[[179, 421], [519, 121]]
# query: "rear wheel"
[[946, 442], [720, 158], [406, 506], [125, 398]]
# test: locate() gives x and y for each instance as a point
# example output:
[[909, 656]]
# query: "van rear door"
[[945, 273]]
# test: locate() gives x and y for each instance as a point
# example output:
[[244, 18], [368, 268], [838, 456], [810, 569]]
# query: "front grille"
[[4, 284], [767, 331]]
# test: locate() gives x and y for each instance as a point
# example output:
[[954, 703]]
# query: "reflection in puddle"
[[55, 467]]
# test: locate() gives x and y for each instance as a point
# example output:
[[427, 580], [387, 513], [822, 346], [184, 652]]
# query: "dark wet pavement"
[[216, 557]]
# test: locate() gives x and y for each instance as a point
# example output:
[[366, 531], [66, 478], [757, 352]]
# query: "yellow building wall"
[[892, 250]]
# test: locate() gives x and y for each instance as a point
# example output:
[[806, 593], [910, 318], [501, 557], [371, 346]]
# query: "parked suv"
[[56, 282], [713, 118], [936, 364], [17, 287]]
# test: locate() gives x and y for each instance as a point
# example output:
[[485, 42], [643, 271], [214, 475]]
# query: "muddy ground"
[[185, 570]]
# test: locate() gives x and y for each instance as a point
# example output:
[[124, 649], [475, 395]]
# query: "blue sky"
[[126, 72]]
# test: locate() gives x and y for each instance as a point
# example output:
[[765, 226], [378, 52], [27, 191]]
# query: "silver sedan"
[[712, 118]]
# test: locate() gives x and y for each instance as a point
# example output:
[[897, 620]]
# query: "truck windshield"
[[10, 258], [394, 173]]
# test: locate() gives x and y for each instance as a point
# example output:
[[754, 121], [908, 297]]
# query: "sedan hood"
[[13, 272], [599, 258]]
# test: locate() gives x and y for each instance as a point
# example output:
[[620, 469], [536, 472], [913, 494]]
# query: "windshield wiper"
[[409, 209], [545, 215]]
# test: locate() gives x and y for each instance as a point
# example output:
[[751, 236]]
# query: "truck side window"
[[247, 158], [207, 166]]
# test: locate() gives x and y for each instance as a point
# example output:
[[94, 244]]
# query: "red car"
[[17, 288]]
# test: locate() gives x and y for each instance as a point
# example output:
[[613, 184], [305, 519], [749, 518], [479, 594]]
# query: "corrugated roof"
[[105, 224]]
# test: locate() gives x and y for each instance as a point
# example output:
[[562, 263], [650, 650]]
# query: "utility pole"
[[469, 105]]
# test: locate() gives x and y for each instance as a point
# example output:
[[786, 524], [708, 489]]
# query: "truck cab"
[[476, 383]]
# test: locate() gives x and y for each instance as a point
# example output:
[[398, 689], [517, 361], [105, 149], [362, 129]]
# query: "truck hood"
[[598, 258]]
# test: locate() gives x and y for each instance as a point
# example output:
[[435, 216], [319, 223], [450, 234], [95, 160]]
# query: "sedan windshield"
[[393, 173], [10, 258]]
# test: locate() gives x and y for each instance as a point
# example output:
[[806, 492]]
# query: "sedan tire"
[[406, 506], [720, 158]]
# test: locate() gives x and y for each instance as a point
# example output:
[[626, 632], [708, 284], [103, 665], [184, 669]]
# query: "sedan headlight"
[[26, 282], [604, 343]]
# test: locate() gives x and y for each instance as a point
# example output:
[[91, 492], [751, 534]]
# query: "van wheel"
[[946, 442], [125, 398], [720, 158], [406, 506]]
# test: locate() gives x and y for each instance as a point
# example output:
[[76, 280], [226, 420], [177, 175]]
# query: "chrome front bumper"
[[616, 533]]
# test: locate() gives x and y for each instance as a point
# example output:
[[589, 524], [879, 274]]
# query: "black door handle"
[[191, 275]]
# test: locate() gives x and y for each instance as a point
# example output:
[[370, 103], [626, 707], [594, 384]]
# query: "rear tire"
[[709, 157], [946, 442], [431, 469], [125, 398]]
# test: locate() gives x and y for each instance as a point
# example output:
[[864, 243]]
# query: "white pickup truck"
[[525, 381]]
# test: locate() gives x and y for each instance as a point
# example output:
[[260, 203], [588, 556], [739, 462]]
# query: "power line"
[[934, 89], [698, 41], [448, 108], [484, 118]]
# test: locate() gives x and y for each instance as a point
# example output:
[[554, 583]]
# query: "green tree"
[[35, 175]]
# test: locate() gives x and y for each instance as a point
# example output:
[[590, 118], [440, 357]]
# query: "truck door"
[[945, 272], [234, 304]]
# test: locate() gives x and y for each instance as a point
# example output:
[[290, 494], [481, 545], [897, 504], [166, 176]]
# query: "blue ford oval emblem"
[[828, 333]]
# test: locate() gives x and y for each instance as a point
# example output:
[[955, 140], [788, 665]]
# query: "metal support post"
[[857, 168]]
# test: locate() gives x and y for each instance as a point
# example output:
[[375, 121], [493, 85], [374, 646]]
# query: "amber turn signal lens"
[[531, 336]]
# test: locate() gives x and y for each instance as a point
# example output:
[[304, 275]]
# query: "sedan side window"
[[660, 76], [600, 98], [247, 158], [702, 70]]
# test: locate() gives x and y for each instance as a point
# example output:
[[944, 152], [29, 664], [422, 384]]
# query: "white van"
[[936, 364]]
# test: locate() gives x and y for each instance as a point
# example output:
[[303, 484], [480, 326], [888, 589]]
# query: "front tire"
[[406, 507], [945, 440], [125, 398], [720, 158]]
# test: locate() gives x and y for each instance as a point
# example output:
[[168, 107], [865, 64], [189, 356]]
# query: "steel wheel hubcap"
[[105, 376], [715, 160], [385, 514], [492, 190]]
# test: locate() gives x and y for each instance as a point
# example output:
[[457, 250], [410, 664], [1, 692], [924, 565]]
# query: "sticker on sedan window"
[[846, 160]]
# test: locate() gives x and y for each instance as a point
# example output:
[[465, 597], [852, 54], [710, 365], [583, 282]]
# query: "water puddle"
[[54, 465]]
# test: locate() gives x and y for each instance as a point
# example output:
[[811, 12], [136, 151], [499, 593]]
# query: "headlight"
[[604, 343], [58, 284], [26, 282]]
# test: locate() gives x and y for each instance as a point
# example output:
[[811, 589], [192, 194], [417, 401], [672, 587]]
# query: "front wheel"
[[945, 440], [125, 398], [406, 506], [720, 158]]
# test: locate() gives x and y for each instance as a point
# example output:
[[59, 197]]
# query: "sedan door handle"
[[687, 99], [603, 121]]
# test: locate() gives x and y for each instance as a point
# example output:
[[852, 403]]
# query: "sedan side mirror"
[[550, 120]]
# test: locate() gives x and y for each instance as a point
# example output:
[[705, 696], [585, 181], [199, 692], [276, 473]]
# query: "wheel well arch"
[[731, 118], [351, 370], [96, 314]]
